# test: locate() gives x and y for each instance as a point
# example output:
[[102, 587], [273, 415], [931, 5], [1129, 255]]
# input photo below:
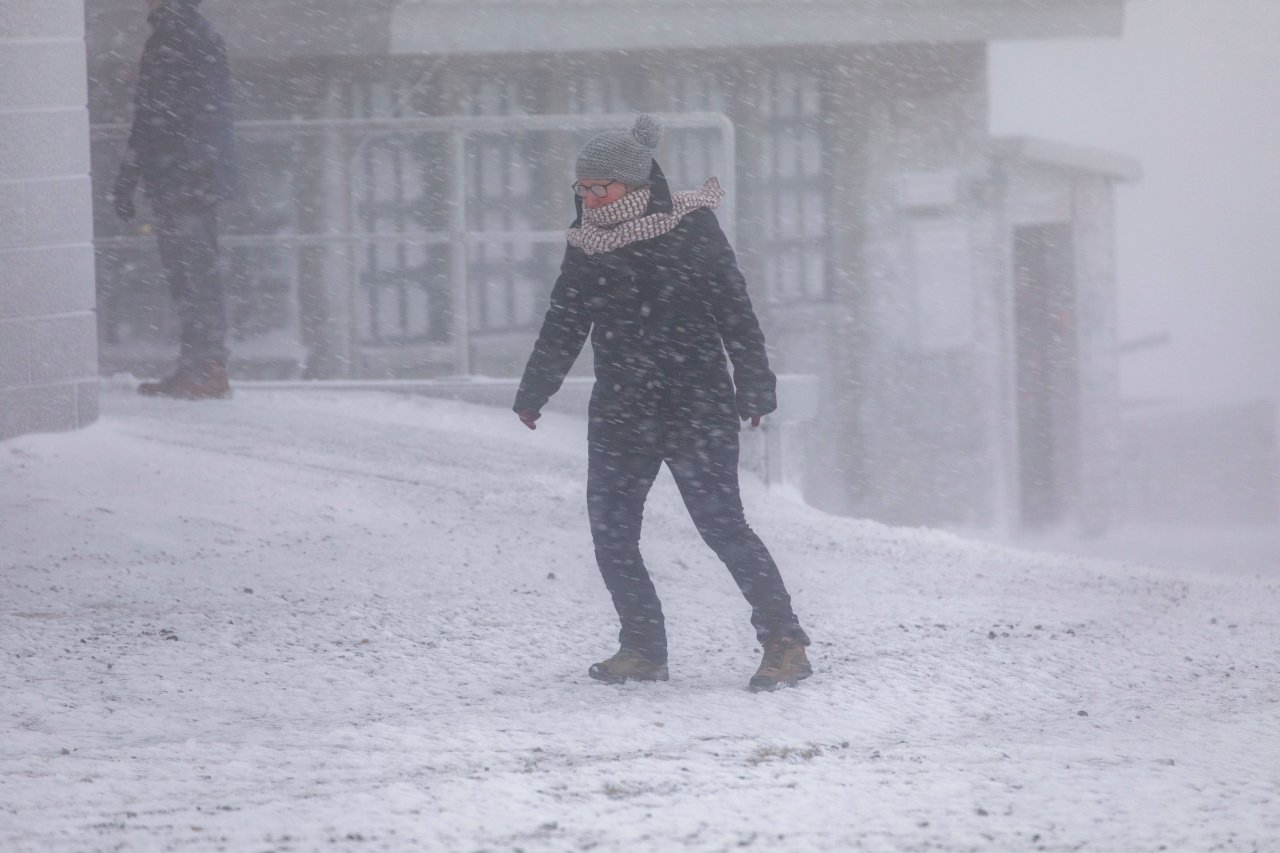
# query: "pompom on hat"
[[625, 156]]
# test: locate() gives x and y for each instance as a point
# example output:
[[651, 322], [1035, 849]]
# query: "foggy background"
[[1183, 430], [963, 192], [1193, 91]]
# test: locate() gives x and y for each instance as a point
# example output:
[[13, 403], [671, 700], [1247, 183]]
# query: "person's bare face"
[[155, 4]]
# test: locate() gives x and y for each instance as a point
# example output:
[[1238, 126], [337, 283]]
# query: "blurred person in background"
[[182, 149], [652, 278]]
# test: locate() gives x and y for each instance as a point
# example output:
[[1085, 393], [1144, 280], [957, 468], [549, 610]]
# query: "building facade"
[[953, 294], [48, 345]]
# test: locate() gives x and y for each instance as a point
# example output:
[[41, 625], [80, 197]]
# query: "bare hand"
[[527, 418], [755, 421]]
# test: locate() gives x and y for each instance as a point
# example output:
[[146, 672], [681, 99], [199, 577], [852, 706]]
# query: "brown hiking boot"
[[785, 664], [165, 387], [208, 383], [627, 665]]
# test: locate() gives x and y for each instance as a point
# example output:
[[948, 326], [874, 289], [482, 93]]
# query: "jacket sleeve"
[[564, 331], [210, 144], [144, 94], [211, 92], [739, 328]]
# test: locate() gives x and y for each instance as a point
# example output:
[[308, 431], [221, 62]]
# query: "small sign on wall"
[[942, 261]]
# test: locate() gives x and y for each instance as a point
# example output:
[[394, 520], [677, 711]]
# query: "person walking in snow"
[[650, 276], [181, 148]]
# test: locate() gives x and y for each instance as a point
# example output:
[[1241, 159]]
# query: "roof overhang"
[[1042, 153], [287, 29], [537, 26], [263, 29]]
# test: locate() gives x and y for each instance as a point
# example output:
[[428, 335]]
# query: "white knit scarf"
[[608, 228]]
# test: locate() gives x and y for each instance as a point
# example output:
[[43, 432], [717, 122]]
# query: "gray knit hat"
[[625, 156]]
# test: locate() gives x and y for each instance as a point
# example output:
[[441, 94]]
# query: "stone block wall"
[[48, 334]]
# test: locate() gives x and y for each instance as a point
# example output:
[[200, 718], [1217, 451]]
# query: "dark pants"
[[188, 238], [617, 485]]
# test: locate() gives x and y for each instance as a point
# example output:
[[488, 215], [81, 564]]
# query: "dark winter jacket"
[[182, 134], [661, 314]]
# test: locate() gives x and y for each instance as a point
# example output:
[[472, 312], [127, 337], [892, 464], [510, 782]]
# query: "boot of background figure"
[[208, 381], [166, 387]]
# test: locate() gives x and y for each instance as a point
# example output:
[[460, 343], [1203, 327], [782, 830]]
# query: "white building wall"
[[48, 336]]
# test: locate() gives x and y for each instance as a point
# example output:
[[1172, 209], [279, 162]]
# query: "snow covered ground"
[[358, 622]]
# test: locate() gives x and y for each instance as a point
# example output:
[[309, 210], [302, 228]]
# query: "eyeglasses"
[[597, 190]]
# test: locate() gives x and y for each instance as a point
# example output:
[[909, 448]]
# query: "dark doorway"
[[1047, 371]]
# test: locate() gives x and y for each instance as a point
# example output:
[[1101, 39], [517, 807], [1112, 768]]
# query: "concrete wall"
[[904, 418], [48, 337]]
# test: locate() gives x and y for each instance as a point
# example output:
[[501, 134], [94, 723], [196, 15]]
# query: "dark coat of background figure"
[[182, 149], [182, 131], [661, 314]]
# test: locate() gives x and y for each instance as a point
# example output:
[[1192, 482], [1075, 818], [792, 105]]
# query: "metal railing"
[[460, 133]]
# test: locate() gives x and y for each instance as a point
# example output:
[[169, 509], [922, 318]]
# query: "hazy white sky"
[[1193, 91]]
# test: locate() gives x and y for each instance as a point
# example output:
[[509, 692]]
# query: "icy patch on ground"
[[293, 622]]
